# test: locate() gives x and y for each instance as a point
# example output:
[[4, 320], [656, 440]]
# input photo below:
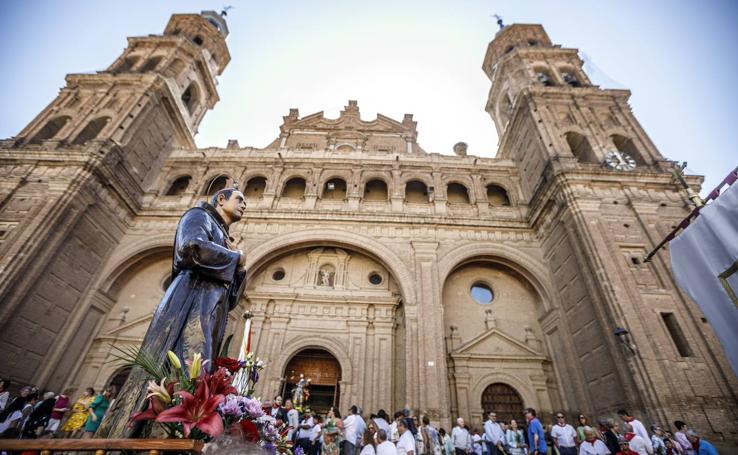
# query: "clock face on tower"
[[619, 161]]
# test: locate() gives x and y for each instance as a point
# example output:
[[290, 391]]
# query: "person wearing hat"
[[330, 432], [703, 447]]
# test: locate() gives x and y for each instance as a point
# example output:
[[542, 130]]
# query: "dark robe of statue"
[[191, 317]]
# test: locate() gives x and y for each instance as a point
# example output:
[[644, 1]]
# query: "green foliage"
[[132, 356]]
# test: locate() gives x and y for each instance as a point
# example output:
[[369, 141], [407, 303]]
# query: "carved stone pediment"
[[493, 344]]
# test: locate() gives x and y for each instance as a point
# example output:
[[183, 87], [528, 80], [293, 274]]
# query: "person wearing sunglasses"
[[564, 436]]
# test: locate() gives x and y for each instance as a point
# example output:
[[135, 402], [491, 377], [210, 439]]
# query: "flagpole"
[[678, 175]]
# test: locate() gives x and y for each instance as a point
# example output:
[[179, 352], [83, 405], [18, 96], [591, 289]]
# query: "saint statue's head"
[[230, 204]]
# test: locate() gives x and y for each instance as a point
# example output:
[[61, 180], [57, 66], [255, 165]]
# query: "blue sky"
[[421, 57]]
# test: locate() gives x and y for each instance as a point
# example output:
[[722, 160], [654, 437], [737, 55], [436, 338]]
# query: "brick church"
[[389, 275]]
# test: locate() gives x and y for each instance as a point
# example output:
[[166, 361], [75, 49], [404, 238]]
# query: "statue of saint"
[[299, 391], [207, 282], [325, 278]]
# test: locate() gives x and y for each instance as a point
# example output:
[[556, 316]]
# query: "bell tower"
[[598, 197], [75, 179], [540, 86], [150, 99]]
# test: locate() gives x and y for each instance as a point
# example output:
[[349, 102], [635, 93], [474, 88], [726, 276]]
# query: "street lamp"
[[624, 338]]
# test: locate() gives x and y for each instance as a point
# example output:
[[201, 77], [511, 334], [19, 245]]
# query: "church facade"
[[387, 275]]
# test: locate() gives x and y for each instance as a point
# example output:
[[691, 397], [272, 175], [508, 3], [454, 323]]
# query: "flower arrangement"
[[188, 401]]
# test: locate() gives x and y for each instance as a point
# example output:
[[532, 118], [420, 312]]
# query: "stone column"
[[433, 396]]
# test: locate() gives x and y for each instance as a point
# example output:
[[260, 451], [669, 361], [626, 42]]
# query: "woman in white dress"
[[515, 440]]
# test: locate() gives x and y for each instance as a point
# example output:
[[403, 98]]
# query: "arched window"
[[580, 147], [294, 188], [150, 64], [126, 64], [503, 400], [497, 196], [626, 145], [91, 131], [214, 185], [179, 186], [174, 68], [255, 187], [544, 77], [335, 189], [375, 190], [191, 97], [50, 130], [570, 79], [416, 192], [457, 193]]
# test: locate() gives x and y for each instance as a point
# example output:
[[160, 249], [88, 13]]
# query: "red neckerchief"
[[629, 436]]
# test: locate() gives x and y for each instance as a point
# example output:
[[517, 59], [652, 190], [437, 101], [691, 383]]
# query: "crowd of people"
[[409, 434], [33, 414]]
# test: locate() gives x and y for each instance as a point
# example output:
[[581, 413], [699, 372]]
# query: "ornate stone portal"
[[446, 283]]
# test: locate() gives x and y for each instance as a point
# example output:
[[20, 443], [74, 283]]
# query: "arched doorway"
[[119, 378], [503, 400], [324, 372]]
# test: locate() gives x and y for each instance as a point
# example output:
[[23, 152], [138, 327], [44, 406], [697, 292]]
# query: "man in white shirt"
[[636, 442], [315, 436], [461, 438], [384, 447], [406, 444], [293, 419], [494, 435], [303, 434], [591, 445], [382, 421], [564, 436], [638, 429], [353, 429]]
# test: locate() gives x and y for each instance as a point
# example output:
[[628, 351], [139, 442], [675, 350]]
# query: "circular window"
[[278, 275], [375, 279], [482, 293]]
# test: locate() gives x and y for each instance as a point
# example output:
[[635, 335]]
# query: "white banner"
[[704, 260]]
